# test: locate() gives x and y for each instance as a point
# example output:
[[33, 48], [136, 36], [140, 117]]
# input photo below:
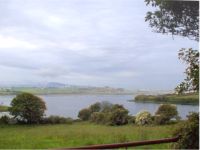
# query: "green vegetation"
[[27, 108], [79, 134], [143, 118], [105, 113], [174, 17], [188, 99], [165, 113], [3, 108], [189, 132]]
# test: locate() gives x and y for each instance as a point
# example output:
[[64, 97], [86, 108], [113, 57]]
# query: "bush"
[[4, 119], [143, 118], [98, 117], [27, 107], [118, 115], [96, 107], [160, 119], [105, 113], [189, 133], [165, 113], [106, 106], [131, 119], [7, 120], [56, 120], [84, 114]]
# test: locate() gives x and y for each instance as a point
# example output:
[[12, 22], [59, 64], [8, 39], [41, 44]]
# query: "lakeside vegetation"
[[79, 134], [187, 99]]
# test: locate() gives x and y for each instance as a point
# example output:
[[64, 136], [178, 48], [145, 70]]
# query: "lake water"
[[69, 105]]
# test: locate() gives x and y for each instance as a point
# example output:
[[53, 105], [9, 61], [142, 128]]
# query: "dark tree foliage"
[[189, 133], [175, 17], [27, 108], [191, 58], [105, 113], [179, 18], [165, 113], [84, 114], [96, 107]]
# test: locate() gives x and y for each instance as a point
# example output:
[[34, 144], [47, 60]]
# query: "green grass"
[[192, 99], [3, 108], [78, 134]]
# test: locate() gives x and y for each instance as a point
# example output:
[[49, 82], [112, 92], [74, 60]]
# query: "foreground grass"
[[3, 108], [78, 134], [192, 99]]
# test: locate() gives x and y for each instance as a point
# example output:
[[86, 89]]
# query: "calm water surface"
[[69, 105]]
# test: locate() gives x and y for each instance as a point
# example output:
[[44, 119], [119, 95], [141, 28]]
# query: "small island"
[[187, 99]]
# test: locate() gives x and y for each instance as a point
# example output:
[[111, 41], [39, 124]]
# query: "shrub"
[[96, 107], [27, 107], [118, 115], [4, 119], [7, 120], [98, 117], [106, 106], [165, 113], [189, 133], [84, 114], [105, 113], [160, 119], [56, 120], [143, 118], [131, 119]]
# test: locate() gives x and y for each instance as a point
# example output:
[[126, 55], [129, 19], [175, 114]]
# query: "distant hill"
[[60, 88]]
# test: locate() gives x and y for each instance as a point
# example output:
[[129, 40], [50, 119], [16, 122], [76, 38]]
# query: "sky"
[[87, 42]]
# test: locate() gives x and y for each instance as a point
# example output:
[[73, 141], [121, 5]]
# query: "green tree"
[[165, 113], [179, 18], [27, 107], [191, 58], [84, 114], [175, 17], [96, 107]]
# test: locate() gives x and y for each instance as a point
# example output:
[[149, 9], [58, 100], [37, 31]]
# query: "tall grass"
[[78, 134]]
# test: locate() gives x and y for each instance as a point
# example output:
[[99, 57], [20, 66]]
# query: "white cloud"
[[11, 42]]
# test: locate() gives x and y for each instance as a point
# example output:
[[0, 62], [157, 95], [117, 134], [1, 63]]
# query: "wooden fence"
[[126, 145]]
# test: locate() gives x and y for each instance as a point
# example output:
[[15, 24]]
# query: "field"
[[188, 99], [78, 134]]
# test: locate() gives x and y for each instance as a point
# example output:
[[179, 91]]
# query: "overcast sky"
[[86, 42]]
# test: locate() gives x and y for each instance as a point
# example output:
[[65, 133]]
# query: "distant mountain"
[[60, 88], [55, 85]]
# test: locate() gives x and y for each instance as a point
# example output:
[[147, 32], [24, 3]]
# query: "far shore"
[[183, 99]]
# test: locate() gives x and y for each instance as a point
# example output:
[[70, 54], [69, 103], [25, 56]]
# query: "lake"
[[69, 105]]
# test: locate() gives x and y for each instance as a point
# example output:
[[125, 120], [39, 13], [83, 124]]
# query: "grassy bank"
[[191, 99], [78, 134], [3, 108]]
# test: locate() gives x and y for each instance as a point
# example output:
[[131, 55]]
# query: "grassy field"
[[192, 99], [78, 134], [3, 108]]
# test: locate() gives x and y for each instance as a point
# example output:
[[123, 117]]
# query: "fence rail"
[[126, 145]]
